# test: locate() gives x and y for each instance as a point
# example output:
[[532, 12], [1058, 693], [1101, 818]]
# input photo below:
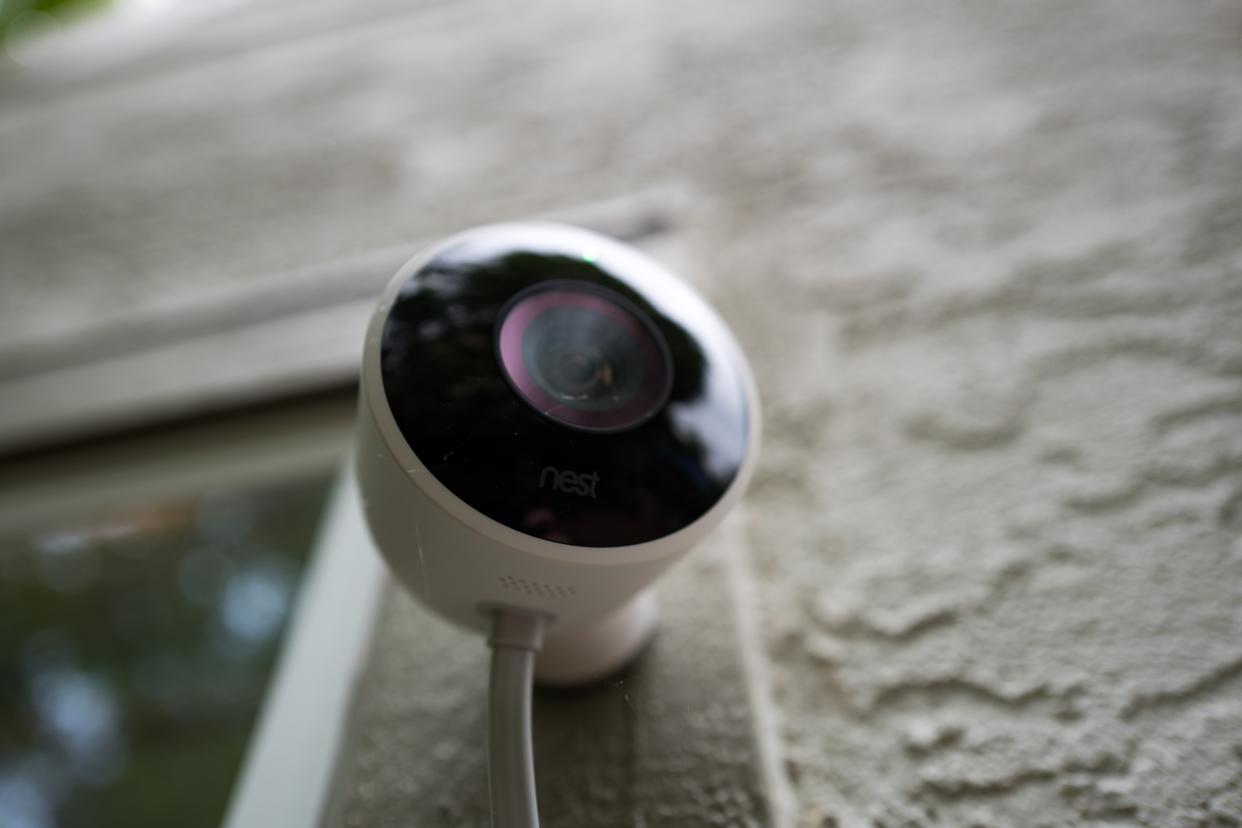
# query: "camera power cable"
[[516, 637]]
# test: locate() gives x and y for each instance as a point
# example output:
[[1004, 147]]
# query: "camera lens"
[[585, 359], [583, 356]]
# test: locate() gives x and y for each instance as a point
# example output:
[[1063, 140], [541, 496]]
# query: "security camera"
[[548, 420]]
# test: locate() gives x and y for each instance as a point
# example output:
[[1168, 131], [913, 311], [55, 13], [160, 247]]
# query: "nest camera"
[[548, 420]]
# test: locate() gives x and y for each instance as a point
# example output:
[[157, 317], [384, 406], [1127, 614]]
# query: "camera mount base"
[[584, 656]]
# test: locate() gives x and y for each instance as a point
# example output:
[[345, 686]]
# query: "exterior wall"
[[984, 258]]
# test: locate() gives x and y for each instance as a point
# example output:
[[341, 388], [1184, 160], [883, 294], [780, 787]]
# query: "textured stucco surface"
[[985, 258], [667, 742]]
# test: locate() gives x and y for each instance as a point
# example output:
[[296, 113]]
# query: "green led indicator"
[[589, 256]]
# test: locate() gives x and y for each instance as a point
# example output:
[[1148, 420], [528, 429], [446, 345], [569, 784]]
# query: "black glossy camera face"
[[565, 386]]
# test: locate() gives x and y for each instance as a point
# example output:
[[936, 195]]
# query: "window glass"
[[136, 644]]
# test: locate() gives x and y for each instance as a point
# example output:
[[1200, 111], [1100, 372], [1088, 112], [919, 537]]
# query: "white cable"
[[515, 639]]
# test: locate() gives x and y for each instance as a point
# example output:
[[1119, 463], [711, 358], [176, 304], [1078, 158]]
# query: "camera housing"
[[548, 420]]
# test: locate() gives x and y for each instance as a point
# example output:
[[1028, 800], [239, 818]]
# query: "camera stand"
[[581, 656]]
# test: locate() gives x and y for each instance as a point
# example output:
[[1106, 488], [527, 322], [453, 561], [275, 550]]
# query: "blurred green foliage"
[[14, 12], [135, 649]]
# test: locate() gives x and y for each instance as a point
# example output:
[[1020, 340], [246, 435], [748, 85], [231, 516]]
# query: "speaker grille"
[[535, 588]]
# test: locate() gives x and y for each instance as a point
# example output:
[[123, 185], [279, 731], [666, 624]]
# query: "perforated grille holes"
[[534, 588]]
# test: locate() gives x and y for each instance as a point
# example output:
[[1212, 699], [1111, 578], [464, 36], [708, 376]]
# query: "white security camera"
[[549, 419]]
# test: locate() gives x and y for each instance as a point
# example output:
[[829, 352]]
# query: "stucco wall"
[[985, 257]]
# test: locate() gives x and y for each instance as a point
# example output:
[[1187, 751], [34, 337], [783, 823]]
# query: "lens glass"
[[584, 357]]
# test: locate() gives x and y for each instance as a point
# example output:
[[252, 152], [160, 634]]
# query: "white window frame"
[[290, 773]]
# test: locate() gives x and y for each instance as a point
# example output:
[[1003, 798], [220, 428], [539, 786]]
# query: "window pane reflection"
[[135, 648]]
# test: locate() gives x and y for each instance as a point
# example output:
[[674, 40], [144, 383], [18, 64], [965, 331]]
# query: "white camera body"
[[606, 425]]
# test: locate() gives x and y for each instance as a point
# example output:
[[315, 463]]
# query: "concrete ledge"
[[669, 742]]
